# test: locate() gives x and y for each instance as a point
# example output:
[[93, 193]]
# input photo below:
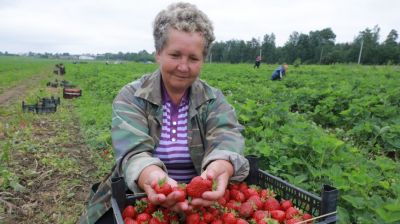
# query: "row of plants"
[[15, 69], [43, 176], [12, 119], [308, 128]]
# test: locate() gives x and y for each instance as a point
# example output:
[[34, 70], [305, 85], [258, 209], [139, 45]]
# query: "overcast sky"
[[100, 26]]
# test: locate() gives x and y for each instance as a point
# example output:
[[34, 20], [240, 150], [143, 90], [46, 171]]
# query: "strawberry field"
[[333, 124], [337, 125]]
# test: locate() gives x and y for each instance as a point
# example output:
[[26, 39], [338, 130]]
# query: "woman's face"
[[181, 60]]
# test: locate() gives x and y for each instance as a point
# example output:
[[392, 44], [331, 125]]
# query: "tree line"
[[316, 47]]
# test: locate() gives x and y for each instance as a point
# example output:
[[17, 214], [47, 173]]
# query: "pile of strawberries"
[[240, 204]]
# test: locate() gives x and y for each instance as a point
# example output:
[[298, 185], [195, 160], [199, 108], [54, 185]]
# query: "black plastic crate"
[[67, 84], [323, 206], [52, 84], [50, 101], [28, 107], [44, 105]]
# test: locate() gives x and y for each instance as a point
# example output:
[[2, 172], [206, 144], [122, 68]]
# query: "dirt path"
[[16, 93], [51, 168]]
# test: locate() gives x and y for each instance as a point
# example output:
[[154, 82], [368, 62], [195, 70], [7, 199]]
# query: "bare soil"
[[16, 93]]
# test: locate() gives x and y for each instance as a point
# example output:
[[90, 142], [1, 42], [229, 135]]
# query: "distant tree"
[[289, 52], [390, 48], [370, 54], [321, 42], [269, 49], [217, 51]]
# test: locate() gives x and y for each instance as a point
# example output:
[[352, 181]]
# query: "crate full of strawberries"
[[261, 199]]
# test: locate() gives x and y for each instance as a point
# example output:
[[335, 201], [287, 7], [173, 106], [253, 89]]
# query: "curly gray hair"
[[183, 17]]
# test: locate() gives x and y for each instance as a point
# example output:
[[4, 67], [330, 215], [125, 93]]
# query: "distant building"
[[85, 57]]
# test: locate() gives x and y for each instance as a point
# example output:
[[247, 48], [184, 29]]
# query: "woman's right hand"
[[149, 178]]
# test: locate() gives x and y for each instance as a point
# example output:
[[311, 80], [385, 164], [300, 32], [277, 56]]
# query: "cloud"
[[99, 26]]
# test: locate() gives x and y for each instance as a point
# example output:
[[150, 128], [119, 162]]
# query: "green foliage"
[[16, 69], [297, 62], [336, 125]]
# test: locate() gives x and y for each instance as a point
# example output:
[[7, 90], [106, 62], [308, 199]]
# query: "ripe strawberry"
[[143, 218], [285, 204], [198, 186], [307, 216], [291, 213], [243, 187], [162, 187], [129, 211], [293, 221], [266, 193], [129, 220], [193, 218], [214, 212], [267, 220], [227, 195], [157, 218], [221, 201], [237, 195], [217, 221], [246, 209], [260, 214], [144, 205], [234, 186], [168, 215], [278, 215], [207, 217], [257, 201], [250, 192], [232, 204], [272, 204], [229, 218], [241, 221]]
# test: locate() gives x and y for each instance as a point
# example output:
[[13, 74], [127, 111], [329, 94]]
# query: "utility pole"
[[320, 57], [359, 56]]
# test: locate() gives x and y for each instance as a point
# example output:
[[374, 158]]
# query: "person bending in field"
[[172, 125], [279, 72]]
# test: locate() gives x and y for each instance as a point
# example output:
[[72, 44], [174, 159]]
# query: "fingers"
[[153, 196], [199, 202], [222, 181], [180, 207]]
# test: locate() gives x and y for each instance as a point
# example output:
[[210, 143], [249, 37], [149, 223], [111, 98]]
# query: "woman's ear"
[[157, 55]]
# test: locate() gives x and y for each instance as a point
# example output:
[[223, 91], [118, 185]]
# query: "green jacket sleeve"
[[224, 138], [132, 144]]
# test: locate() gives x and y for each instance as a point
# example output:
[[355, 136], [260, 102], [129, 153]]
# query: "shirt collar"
[[167, 98]]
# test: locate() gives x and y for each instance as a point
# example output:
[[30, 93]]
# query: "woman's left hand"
[[220, 171]]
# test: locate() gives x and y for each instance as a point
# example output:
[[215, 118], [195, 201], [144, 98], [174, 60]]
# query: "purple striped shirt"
[[173, 148]]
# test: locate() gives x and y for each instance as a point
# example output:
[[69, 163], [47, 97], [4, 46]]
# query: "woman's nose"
[[183, 65]]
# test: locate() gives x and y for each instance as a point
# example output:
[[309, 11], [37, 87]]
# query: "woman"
[[279, 72], [171, 124]]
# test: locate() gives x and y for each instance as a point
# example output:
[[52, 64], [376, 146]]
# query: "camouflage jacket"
[[213, 130]]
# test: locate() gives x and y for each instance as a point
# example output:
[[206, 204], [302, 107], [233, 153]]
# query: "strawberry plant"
[[335, 124]]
